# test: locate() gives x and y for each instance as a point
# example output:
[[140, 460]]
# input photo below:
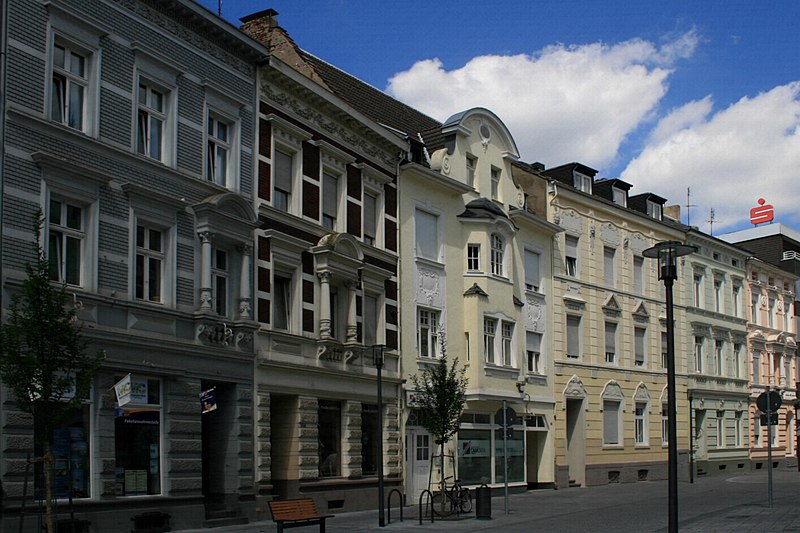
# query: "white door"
[[418, 442]]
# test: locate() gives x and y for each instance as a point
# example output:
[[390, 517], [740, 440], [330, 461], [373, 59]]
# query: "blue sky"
[[666, 95]]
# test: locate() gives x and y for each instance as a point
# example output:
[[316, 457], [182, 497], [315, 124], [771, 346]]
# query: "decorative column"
[[324, 304], [245, 285], [205, 270], [351, 335]]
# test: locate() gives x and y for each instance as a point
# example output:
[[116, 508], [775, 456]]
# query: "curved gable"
[[490, 128]]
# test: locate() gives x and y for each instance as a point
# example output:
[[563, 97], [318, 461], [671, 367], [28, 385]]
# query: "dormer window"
[[654, 210], [620, 196], [583, 182]]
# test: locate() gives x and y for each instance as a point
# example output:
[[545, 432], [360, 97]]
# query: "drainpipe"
[[691, 440]]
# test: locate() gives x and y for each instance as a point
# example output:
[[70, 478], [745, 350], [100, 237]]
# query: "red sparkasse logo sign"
[[763, 213]]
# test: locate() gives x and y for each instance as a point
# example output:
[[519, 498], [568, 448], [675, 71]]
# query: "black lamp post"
[[378, 359], [667, 253]]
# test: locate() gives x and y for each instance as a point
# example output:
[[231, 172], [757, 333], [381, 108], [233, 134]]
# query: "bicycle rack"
[[430, 501], [389, 505]]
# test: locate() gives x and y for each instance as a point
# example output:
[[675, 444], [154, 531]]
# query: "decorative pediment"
[[226, 214], [638, 243], [641, 394], [611, 307], [574, 389], [570, 220], [612, 391], [640, 313], [609, 234]]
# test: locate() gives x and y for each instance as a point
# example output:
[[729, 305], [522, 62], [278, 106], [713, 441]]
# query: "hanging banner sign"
[[208, 400], [123, 390]]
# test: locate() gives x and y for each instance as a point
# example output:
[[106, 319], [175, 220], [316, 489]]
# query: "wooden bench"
[[296, 513]]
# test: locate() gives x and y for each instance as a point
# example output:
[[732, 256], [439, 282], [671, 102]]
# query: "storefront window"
[[137, 438], [474, 456], [369, 439], [516, 457], [70, 449], [330, 438]]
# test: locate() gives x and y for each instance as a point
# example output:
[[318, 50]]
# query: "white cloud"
[[563, 103], [730, 159]]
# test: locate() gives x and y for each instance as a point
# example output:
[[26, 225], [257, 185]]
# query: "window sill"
[[613, 447], [642, 446], [501, 371]]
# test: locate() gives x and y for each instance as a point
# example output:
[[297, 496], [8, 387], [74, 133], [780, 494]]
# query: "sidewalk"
[[736, 504]]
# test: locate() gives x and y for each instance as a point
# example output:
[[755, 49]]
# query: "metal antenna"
[[688, 206], [711, 220], [219, 8]]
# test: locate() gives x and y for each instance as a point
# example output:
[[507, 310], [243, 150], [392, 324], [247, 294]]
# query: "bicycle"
[[455, 499]]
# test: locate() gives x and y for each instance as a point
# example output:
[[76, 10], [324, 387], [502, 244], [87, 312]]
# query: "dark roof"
[[604, 188], [564, 173], [475, 289], [483, 208]]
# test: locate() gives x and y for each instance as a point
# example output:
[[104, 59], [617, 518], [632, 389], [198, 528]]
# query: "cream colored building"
[[609, 330], [714, 289], [475, 280]]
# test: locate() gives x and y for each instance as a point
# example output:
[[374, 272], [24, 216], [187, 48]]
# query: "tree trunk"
[[442, 483], [48, 481]]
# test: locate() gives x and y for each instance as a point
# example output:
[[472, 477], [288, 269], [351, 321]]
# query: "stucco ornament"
[[575, 389], [428, 285], [535, 312]]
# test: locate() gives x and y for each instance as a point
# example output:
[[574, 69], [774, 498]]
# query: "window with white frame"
[[756, 367], [370, 205], [573, 336], [533, 347], [664, 424], [532, 279], [219, 281], [719, 356], [70, 85], [151, 120], [698, 290], [787, 313], [754, 309], [66, 241], [639, 346], [149, 266], [737, 360], [718, 295], [428, 332], [654, 210], [330, 200], [611, 342], [757, 430], [507, 331], [608, 265], [496, 259], [582, 182], [495, 183], [612, 411], [489, 334], [219, 140], [698, 354], [736, 294], [282, 179], [720, 429], [426, 230], [640, 424], [738, 429], [282, 301], [619, 196], [638, 274], [472, 164], [771, 313], [474, 257], [571, 255], [776, 369]]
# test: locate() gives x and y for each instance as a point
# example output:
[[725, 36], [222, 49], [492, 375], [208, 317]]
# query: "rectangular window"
[[771, 313], [638, 274], [758, 437], [608, 265], [137, 440], [756, 368], [582, 182], [531, 271], [472, 164], [718, 295], [69, 87], [664, 424], [283, 178], [370, 218], [66, 238], [737, 290], [281, 301], [638, 345], [664, 350], [474, 257], [495, 183], [737, 360], [508, 336], [218, 133], [571, 255], [370, 433], [654, 210], [219, 281], [719, 356], [149, 268], [754, 309], [611, 342], [428, 332], [330, 200], [489, 330], [329, 427], [720, 429], [611, 426], [698, 290], [698, 354], [533, 342], [70, 445], [497, 254], [573, 336], [426, 229], [619, 196], [334, 307], [640, 424], [739, 429], [151, 121], [369, 319]]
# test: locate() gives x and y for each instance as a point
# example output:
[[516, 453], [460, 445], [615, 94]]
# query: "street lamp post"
[[667, 253], [378, 359]]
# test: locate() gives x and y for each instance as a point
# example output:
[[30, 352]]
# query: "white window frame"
[[221, 275], [573, 341], [607, 414], [428, 322], [496, 174], [698, 354], [221, 107], [571, 264], [472, 167], [698, 289], [281, 198], [372, 240], [664, 424], [507, 340], [582, 182], [66, 234], [640, 347], [489, 340], [719, 356], [421, 233], [609, 256], [718, 295], [641, 423], [497, 245], [291, 314], [532, 265], [736, 291], [329, 220], [216, 145], [738, 429], [473, 257], [533, 353], [70, 82], [149, 254], [610, 356], [720, 422], [654, 210], [620, 196]]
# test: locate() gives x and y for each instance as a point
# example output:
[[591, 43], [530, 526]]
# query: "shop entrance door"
[[419, 450]]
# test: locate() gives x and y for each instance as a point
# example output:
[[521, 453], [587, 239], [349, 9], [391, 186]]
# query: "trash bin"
[[483, 502]]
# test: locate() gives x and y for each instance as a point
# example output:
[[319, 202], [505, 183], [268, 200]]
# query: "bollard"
[[483, 502]]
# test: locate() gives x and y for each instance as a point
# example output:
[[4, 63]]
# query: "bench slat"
[[295, 510]]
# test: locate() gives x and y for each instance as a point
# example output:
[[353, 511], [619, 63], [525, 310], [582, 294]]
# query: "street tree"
[[43, 356]]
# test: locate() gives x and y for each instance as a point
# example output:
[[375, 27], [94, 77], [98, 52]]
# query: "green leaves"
[[440, 396]]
